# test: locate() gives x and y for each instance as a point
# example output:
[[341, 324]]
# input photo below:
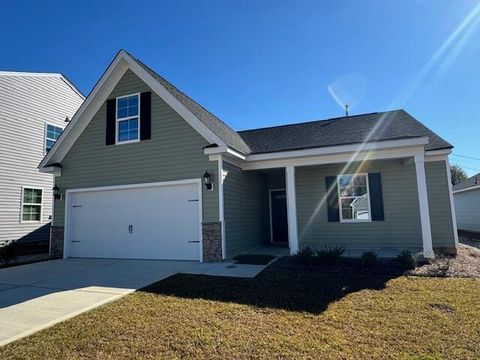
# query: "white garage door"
[[154, 222]]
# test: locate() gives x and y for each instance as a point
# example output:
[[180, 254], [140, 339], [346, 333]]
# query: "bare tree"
[[457, 174]]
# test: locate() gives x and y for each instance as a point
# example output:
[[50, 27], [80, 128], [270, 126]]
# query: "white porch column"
[[424, 210], [291, 209]]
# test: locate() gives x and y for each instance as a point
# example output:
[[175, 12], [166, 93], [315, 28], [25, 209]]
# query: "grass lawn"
[[288, 311]]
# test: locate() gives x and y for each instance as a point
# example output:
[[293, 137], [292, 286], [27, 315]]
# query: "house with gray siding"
[[466, 195], [145, 172], [33, 110]]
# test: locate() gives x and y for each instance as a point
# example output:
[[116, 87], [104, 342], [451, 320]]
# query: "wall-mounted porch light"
[[207, 180], [56, 193]]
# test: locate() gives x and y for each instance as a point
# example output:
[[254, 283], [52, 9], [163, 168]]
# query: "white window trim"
[[46, 138], [117, 120], [22, 204], [340, 200]]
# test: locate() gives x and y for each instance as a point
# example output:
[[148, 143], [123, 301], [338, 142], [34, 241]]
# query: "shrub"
[[305, 255], [369, 259], [330, 255], [8, 252], [406, 259]]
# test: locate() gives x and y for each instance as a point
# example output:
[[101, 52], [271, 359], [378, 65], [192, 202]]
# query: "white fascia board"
[[429, 158], [215, 150], [438, 152], [339, 149], [364, 155], [26, 73], [55, 170], [467, 189], [224, 150], [100, 93], [74, 88]]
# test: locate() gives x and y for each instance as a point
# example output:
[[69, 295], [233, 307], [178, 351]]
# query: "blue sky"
[[263, 63]]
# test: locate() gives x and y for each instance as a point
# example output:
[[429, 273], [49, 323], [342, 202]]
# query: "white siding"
[[467, 208], [27, 103]]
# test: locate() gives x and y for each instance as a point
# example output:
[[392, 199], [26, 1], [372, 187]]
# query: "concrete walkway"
[[36, 296]]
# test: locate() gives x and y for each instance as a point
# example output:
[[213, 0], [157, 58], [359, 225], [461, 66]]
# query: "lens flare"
[[441, 59]]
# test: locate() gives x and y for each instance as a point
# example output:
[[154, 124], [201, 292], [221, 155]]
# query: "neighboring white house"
[[467, 204], [34, 108]]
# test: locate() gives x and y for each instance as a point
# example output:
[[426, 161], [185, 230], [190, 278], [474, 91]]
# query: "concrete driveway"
[[36, 296]]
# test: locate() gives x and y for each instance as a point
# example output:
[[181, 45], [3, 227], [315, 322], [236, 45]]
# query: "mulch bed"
[[465, 264]]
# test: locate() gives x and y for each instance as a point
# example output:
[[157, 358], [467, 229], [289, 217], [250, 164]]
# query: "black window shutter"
[[145, 115], [376, 196], [110, 123], [332, 199]]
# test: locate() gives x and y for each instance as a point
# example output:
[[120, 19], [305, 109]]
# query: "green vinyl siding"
[[439, 204], [400, 230], [246, 203], [174, 152]]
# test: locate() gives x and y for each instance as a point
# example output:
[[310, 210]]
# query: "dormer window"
[[127, 124], [52, 133]]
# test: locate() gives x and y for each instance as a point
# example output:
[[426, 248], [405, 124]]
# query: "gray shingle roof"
[[396, 124], [217, 126], [470, 182], [390, 125]]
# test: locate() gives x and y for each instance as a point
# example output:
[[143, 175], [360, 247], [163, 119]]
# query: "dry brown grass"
[[288, 312]]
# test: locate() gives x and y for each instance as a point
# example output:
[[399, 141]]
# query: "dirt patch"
[[465, 264], [443, 308]]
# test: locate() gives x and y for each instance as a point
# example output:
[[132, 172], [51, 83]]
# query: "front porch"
[[291, 207]]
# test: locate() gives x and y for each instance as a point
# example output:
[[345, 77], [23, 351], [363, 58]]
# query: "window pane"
[[133, 100], [122, 103], [37, 196], [359, 190], [128, 130], [58, 132], [122, 113], [346, 203], [27, 195], [344, 181], [134, 134], [133, 124], [360, 207], [347, 214], [53, 132], [49, 145], [352, 185], [359, 180], [127, 106], [133, 111], [123, 125], [31, 213], [123, 136]]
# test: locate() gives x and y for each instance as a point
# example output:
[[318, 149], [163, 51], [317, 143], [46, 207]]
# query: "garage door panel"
[[160, 222]]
